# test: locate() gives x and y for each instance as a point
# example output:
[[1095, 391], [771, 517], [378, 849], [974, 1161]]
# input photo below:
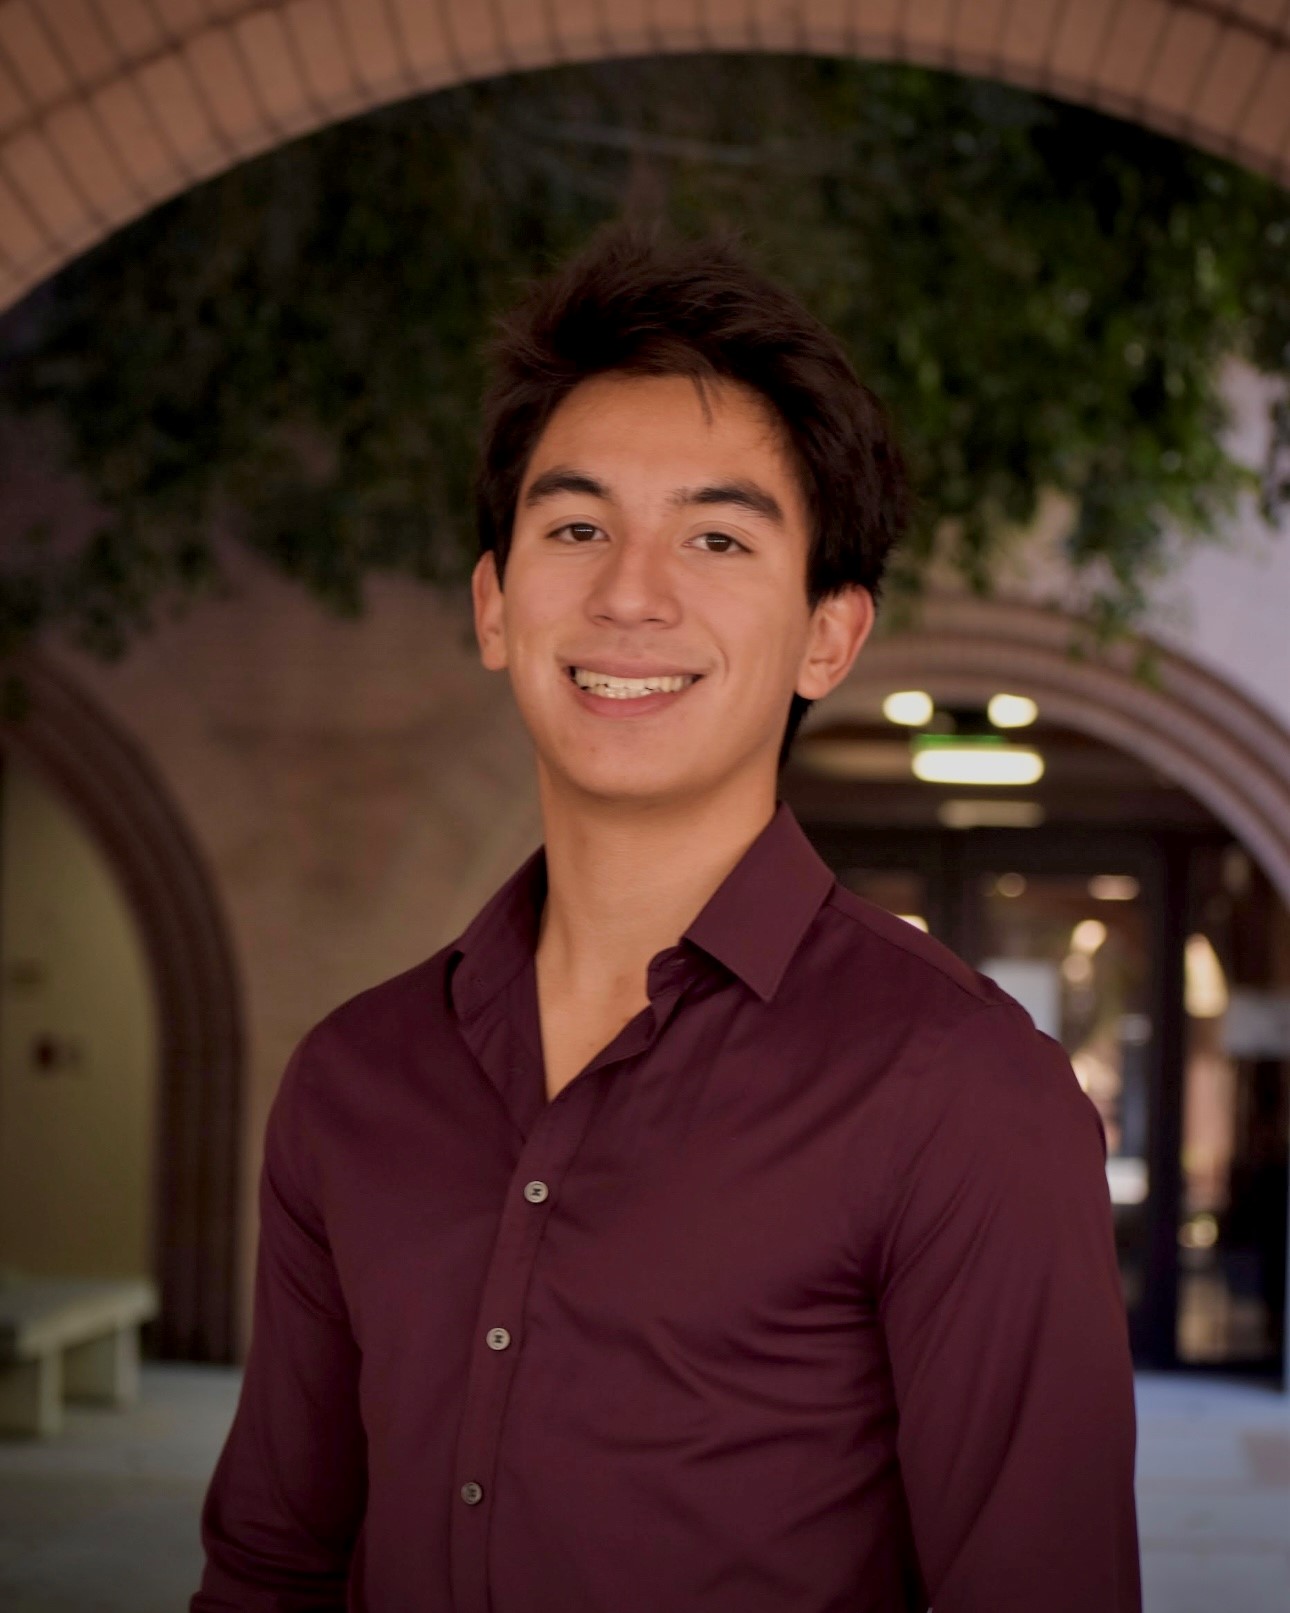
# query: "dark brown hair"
[[635, 303]]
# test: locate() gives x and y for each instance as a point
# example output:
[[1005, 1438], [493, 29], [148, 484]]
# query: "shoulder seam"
[[929, 963]]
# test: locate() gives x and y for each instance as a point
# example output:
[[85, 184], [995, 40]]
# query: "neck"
[[624, 882]]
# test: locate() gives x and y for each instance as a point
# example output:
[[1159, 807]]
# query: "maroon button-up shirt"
[[800, 1298]]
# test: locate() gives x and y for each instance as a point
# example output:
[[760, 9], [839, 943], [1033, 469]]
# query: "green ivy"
[[291, 352]]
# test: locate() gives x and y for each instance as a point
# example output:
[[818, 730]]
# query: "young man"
[[690, 1236]]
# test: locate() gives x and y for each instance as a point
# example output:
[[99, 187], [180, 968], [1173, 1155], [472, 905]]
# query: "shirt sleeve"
[[1002, 1307], [288, 1494]]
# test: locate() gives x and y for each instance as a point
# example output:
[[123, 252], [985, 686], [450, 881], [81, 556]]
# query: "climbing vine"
[[290, 353]]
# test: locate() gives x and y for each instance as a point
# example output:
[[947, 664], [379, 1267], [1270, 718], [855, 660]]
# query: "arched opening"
[[100, 777], [1135, 897]]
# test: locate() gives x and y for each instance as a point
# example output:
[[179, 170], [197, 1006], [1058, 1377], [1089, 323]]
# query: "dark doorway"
[[1138, 933]]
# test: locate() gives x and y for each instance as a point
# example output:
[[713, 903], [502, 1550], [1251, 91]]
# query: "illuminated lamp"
[[1012, 711], [911, 708], [975, 759]]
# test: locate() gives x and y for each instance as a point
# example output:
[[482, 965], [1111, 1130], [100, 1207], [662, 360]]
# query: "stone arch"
[[108, 108], [1189, 724], [101, 774]]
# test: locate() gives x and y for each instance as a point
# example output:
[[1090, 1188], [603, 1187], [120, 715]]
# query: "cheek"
[[765, 633], [533, 609]]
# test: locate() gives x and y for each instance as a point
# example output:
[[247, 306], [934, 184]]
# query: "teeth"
[[608, 688]]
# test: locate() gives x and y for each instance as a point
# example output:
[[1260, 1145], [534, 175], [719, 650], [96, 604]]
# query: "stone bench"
[[66, 1338]]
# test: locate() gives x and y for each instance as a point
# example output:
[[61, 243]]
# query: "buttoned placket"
[[533, 1194]]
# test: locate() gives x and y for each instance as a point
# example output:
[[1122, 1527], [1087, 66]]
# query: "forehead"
[[667, 428]]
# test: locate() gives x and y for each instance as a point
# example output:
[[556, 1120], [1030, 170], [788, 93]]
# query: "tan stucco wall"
[[356, 788]]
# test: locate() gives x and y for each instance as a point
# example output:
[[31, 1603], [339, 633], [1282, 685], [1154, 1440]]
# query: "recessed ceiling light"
[[909, 707], [1012, 711], [950, 760]]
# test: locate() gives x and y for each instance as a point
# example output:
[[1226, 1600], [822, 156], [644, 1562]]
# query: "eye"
[[721, 543], [577, 532]]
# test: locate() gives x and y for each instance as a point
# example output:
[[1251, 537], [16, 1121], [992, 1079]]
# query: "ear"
[[840, 624], [486, 596]]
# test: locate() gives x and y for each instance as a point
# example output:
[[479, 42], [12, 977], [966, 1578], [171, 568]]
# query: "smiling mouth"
[[612, 688]]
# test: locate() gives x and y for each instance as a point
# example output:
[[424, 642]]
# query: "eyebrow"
[[744, 494], [562, 479]]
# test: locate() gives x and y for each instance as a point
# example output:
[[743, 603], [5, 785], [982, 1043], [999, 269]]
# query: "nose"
[[634, 584]]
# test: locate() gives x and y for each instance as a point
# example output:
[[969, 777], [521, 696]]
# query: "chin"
[[656, 773], [631, 786], [636, 779]]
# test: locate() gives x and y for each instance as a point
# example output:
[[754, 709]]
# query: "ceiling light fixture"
[[983, 759], [1012, 711], [911, 708]]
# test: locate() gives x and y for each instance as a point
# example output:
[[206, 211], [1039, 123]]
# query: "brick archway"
[[108, 107], [1190, 725], [101, 775]]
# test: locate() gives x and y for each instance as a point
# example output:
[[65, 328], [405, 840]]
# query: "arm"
[[1001, 1303], [287, 1497]]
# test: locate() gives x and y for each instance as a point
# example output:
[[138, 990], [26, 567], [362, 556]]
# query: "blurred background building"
[[263, 807]]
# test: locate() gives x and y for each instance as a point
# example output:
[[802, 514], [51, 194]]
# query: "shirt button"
[[498, 1338], [535, 1192], [472, 1492]]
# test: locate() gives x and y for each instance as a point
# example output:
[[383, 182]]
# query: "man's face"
[[654, 618]]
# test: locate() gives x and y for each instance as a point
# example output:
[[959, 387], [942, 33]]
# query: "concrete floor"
[[1213, 1497], [103, 1519]]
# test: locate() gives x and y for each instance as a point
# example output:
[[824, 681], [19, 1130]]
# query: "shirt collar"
[[501, 938], [752, 924], [755, 920]]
